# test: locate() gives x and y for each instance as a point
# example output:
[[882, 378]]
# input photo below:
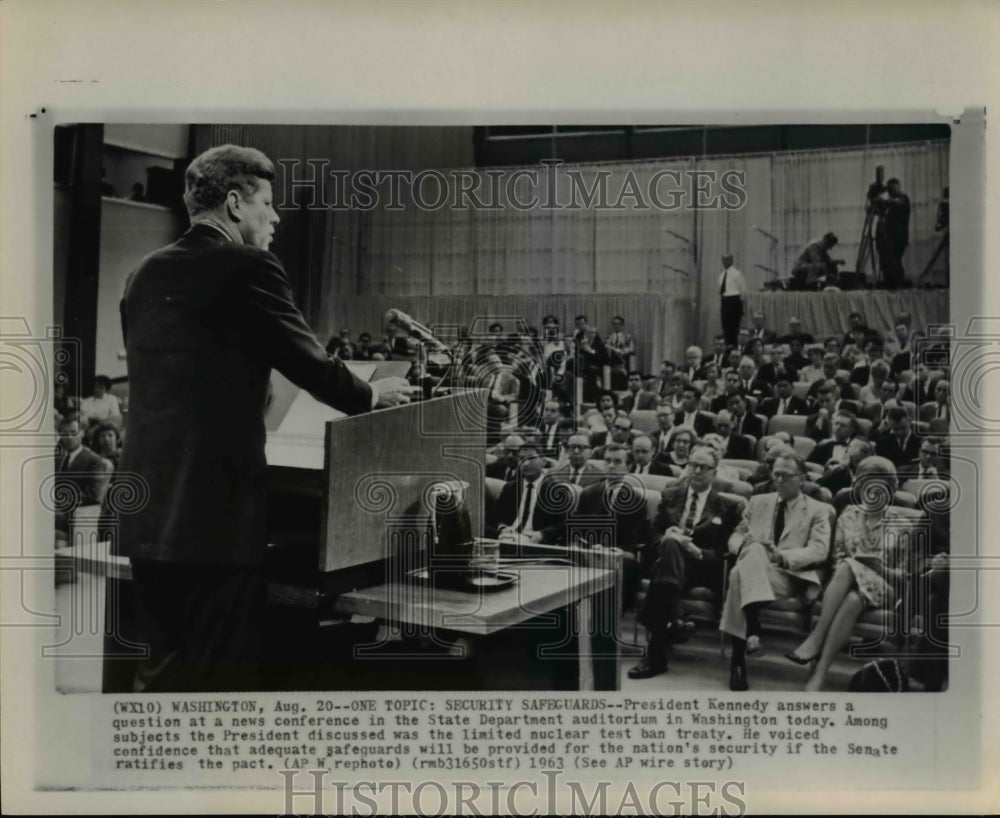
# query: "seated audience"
[[691, 531], [505, 467], [795, 361], [710, 387], [729, 474], [871, 554], [743, 422], [642, 458], [81, 476], [691, 414], [527, 504], [694, 369], [577, 469], [819, 425], [731, 386], [781, 541], [607, 399], [106, 442], [814, 370], [637, 397], [830, 368], [101, 406], [795, 332], [785, 402], [896, 441], [720, 352], [929, 465], [621, 499], [833, 451], [840, 475], [738, 446], [620, 431], [759, 331], [665, 425], [552, 428], [937, 409], [752, 384], [679, 447], [871, 392], [621, 349]]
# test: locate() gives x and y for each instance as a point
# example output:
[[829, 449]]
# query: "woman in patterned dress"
[[869, 552]]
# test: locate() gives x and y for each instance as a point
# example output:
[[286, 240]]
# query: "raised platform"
[[825, 313]]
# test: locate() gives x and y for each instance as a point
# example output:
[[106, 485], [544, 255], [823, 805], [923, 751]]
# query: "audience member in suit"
[[795, 361], [661, 436], [553, 428], [505, 467], [870, 554], [751, 383], [760, 331], [691, 414], [848, 390], [217, 302], [598, 433], [720, 352], [731, 382], [665, 388], [929, 464], [784, 402], [620, 432], [902, 359], [743, 422], [778, 442], [620, 501], [738, 446], [781, 540], [531, 505], [577, 469], [637, 397], [81, 475], [696, 523], [675, 389], [833, 450], [839, 475], [694, 368], [795, 332], [642, 458], [819, 425], [921, 388], [897, 442], [855, 319], [938, 409], [830, 368]]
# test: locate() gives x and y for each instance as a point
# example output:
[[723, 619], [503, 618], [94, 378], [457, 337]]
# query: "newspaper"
[[408, 717]]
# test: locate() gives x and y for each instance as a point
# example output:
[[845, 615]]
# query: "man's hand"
[[390, 392], [779, 559]]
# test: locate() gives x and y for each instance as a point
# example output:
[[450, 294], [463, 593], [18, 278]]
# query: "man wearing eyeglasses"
[[696, 522], [525, 508], [779, 543], [619, 432], [577, 469], [505, 467]]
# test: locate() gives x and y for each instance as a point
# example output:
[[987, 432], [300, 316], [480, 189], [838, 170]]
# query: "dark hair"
[[830, 238], [897, 413], [104, 381], [692, 388], [578, 317], [364, 335], [212, 175], [615, 447], [549, 319], [495, 327], [613, 395], [617, 318], [892, 181], [635, 372]]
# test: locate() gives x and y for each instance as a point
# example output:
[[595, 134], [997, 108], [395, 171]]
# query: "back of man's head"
[[211, 176]]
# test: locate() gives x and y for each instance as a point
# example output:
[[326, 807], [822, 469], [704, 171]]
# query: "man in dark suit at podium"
[[205, 320]]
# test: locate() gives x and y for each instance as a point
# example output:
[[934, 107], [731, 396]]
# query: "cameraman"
[[892, 233]]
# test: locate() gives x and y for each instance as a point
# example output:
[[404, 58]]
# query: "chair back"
[[793, 424], [644, 420], [657, 482]]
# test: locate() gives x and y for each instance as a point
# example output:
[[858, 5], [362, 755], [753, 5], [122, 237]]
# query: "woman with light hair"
[[679, 445], [870, 547], [718, 444]]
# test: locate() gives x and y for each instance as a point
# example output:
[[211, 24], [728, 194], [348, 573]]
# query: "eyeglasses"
[[575, 447], [779, 476], [700, 466], [622, 428]]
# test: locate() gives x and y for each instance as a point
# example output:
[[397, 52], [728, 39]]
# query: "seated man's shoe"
[[738, 678], [648, 668]]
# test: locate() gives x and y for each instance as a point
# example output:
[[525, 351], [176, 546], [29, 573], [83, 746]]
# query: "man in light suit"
[[696, 523], [779, 544], [204, 321]]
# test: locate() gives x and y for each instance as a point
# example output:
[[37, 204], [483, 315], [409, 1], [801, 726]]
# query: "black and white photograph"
[[612, 455]]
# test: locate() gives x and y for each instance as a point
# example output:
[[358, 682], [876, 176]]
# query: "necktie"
[[722, 287], [781, 407], [779, 520], [663, 441], [511, 473], [526, 509], [689, 520], [63, 462], [576, 476]]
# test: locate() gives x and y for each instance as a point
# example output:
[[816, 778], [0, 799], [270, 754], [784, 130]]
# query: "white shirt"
[[699, 506], [736, 284], [99, 409]]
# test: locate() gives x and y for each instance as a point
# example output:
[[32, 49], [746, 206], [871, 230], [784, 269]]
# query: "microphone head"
[[390, 316]]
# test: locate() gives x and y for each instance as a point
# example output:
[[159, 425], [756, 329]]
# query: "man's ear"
[[234, 205]]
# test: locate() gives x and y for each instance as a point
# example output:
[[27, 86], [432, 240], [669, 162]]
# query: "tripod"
[[866, 247], [941, 248]]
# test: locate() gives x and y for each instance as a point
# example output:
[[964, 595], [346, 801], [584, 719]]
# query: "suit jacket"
[[713, 528], [804, 541], [795, 362], [720, 402], [766, 336], [911, 471], [929, 411], [204, 321], [656, 467], [703, 422], [795, 406], [769, 372], [759, 388], [588, 476], [752, 425], [839, 478], [549, 517], [656, 437], [901, 361], [498, 470], [628, 520], [739, 447], [823, 452], [88, 476], [641, 400], [820, 432], [562, 426], [888, 446], [919, 393]]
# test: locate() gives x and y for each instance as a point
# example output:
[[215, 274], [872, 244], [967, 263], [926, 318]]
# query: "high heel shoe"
[[800, 660]]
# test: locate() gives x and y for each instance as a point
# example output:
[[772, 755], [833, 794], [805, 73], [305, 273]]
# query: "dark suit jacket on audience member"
[[549, 518], [752, 426], [796, 406], [888, 446], [739, 447], [591, 474], [498, 470], [703, 422], [204, 322], [631, 523]]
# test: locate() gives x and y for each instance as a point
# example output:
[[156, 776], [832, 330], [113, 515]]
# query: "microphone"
[[414, 328]]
